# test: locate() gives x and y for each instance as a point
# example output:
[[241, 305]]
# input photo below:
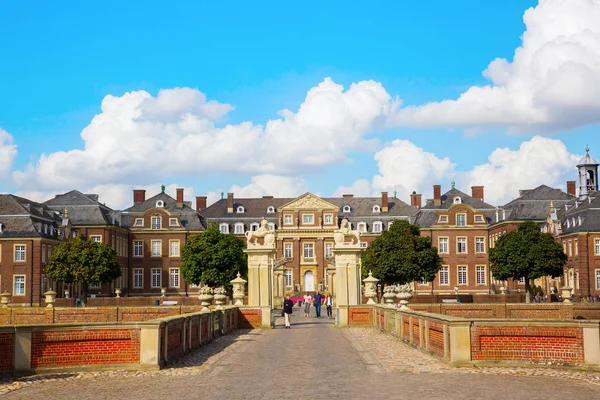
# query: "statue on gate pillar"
[[262, 232], [339, 235]]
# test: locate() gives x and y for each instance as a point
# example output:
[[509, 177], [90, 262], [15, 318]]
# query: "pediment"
[[308, 201]]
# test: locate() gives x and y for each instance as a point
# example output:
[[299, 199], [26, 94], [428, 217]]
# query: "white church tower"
[[588, 174]]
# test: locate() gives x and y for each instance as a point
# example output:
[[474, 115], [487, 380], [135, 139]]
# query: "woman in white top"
[[307, 301], [329, 305]]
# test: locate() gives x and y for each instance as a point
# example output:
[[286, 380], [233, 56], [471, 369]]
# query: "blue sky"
[[57, 64]]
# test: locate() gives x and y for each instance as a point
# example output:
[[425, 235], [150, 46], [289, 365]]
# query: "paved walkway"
[[312, 359]]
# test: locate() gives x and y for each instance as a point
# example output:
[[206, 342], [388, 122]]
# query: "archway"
[[309, 281]]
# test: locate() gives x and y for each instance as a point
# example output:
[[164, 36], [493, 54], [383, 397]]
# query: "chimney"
[[437, 195], [347, 196], [229, 203], [200, 203], [384, 201], [477, 192], [267, 197], [571, 188], [415, 200], [179, 197], [139, 196]]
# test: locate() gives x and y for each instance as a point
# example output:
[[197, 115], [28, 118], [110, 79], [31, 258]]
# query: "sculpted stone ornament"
[[262, 232], [370, 288], [339, 235], [404, 295], [220, 294], [238, 289], [205, 297]]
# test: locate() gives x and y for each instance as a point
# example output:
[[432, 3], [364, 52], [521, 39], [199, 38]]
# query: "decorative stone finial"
[[453, 183], [222, 194], [162, 188], [395, 193], [587, 149]]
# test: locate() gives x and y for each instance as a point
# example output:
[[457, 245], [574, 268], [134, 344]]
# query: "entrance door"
[[309, 281]]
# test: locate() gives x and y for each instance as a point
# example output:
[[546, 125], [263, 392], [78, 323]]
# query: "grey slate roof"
[[190, 219], [533, 204], [21, 217], [84, 209], [583, 215]]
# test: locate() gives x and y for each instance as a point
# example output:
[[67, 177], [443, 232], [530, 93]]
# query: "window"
[[423, 282], [240, 209], [156, 275], [19, 252], [328, 219], [94, 285], [346, 209], [522, 280], [363, 245], [461, 245], [443, 245], [308, 219], [362, 227], [479, 218], [457, 200], [174, 278], [156, 248], [328, 249], [19, 283], [444, 276], [155, 223], [598, 279], [254, 226], [288, 278], [308, 250], [479, 245], [270, 209], [377, 227], [462, 275], [461, 219], [481, 274], [160, 203], [138, 248], [570, 249], [139, 222], [174, 248], [173, 222], [43, 253], [271, 226], [138, 278], [376, 209], [287, 219], [224, 228], [96, 238], [443, 219], [576, 248], [239, 229], [287, 250], [49, 251]]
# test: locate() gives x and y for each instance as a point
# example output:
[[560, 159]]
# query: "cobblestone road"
[[311, 359]]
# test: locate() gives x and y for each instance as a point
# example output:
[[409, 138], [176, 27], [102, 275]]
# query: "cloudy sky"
[[283, 98]]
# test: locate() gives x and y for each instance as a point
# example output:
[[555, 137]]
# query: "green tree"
[[401, 255], [82, 260], [526, 253], [213, 258]]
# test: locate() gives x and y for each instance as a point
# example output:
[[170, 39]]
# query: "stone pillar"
[[260, 279], [347, 279]]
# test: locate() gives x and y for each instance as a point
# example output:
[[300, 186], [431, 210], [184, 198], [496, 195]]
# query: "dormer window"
[[479, 218], [139, 222], [457, 200], [362, 226], [578, 220], [254, 226], [1, 227], [376, 209], [224, 228], [240, 210], [346, 209], [271, 226], [173, 222], [443, 219], [568, 224], [239, 228], [160, 203], [155, 223], [377, 227], [270, 209]]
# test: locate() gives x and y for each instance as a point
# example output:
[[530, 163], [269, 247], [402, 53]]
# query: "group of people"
[[316, 300]]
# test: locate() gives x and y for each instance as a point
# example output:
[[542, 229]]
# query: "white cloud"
[[536, 162], [271, 185], [8, 153], [360, 188], [175, 134], [552, 82]]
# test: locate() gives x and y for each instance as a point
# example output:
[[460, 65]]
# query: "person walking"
[[317, 303], [307, 301], [288, 304], [329, 305]]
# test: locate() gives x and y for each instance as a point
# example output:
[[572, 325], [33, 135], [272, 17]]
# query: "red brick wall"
[[360, 316], [71, 348], [31, 316], [249, 318], [174, 339], [68, 315], [527, 343], [436, 337], [6, 351], [514, 311]]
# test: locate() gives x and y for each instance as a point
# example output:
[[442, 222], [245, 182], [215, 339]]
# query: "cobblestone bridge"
[[312, 359]]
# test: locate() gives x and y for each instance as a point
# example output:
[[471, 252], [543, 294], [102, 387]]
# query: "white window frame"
[[138, 245], [174, 278], [21, 290], [376, 209], [288, 278], [361, 227], [443, 219], [254, 226], [240, 210], [479, 218], [224, 228], [480, 273], [287, 250], [139, 222], [462, 275], [328, 249], [271, 226], [347, 209], [443, 249], [155, 226], [287, 219], [160, 203], [96, 238], [363, 245], [173, 222], [423, 282], [459, 241], [479, 245], [174, 251], [444, 275], [152, 244], [156, 273], [522, 280], [461, 217], [270, 210], [20, 251], [328, 219], [138, 278], [598, 279], [377, 227], [308, 250], [308, 219], [238, 228]]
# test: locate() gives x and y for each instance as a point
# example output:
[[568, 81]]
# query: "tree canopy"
[[82, 260], [213, 258], [401, 255], [526, 253]]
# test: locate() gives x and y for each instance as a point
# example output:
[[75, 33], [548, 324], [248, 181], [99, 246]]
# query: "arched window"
[[377, 227], [376, 209], [240, 209], [224, 228], [457, 200], [254, 226], [346, 209], [362, 226], [270, 209], [271, 226], [160, 203], [239, 228]]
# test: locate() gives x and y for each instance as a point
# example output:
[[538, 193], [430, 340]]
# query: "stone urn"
[[67, 294], [118, 292], [389, 295], [404, 295], [502, 290], [50, 298], [239, 285], [205, 297], [220, 296], [371, 288], [5, 299], [163, 292], [565, 292]]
